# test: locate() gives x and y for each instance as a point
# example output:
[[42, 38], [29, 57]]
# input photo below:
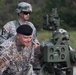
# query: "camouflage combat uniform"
[[11, 29], [16, 59]]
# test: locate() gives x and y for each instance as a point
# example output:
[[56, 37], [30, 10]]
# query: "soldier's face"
[[25, 15], [24, 40]]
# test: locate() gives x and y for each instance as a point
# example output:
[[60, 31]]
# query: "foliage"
[[66, 10]]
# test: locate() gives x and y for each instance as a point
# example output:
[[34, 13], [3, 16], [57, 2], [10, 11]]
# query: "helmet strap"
[[24, 19]]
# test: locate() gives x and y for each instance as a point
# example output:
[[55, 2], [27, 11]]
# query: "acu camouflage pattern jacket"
[[16, 59]]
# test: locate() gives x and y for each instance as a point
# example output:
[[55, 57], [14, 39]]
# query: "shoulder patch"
[[5, 28]]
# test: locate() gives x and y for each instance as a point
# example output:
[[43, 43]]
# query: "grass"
[[44, 35], [73, 39]]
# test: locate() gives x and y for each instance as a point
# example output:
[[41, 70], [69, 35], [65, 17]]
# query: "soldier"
[[17, 53], [23, 10], [59, 37], [63, 38]]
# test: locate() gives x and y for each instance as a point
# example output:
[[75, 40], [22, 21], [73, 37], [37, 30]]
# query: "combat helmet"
[[60, 36], [64, 34], [23, 6]]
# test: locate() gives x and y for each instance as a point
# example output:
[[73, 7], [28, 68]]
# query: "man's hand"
[[35, 45]]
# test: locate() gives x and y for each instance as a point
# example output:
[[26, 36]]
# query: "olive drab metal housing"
[[56, 56], [52, 21], [56, 53]]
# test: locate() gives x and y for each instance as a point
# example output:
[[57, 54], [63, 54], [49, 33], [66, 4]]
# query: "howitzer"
[[56, 56]]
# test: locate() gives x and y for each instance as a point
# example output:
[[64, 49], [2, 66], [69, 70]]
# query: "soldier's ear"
[[17, 36]]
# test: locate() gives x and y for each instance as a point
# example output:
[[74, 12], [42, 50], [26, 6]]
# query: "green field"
[[43, 35]]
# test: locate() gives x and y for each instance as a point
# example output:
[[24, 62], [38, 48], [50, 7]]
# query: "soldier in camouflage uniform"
[[63, 38], [23, 10], [9, 29], [17, 53]]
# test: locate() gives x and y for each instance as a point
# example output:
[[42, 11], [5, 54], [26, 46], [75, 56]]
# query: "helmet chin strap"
[[23, 18]]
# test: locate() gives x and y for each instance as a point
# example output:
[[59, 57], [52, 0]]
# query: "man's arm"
[[3, 60]]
